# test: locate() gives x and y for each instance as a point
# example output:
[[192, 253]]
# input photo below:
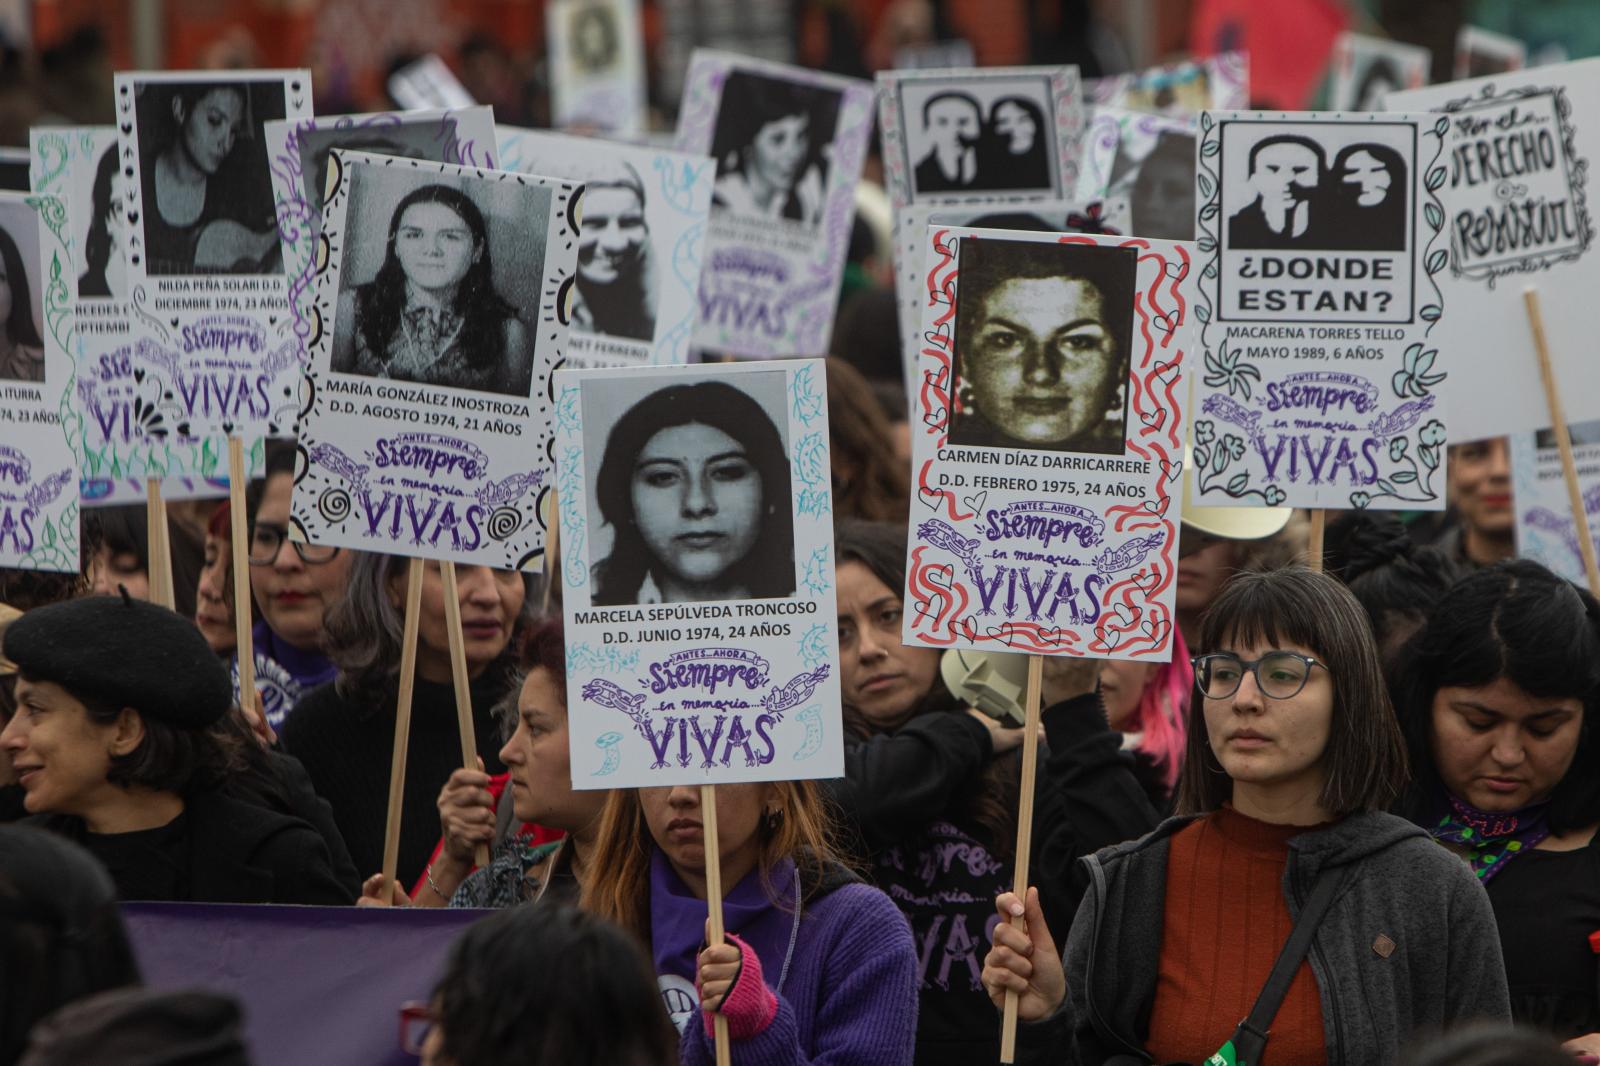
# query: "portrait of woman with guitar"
[[207, 195]]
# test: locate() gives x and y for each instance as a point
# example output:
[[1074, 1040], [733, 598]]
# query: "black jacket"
[[906, 801], [287, 790], [241, 853]]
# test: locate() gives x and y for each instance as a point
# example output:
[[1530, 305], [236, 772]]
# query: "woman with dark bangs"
[[1293, 757], [22, 353], [927, 779], [432, 314], [1498, 705], [694, 483]]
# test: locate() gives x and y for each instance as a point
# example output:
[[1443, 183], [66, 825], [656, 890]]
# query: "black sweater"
[[346, 748], [906, 800]]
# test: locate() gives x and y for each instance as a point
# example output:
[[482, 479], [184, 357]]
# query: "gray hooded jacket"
[[1444, 966]]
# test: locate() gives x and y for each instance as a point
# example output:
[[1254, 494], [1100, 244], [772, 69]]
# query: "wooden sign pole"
[[1319, 529], [158, 565], [243, 638], [1030, 769], [708, 820], [552, 554], [458, 670], [402, 727], [1558, 422]]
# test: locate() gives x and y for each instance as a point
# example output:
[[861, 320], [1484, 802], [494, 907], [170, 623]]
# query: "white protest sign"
[[1047, 442], [1177, 90], [1000, 133], [789, 145], [1149, 161], [1521, 149], [38, 464], [299, 152], [437, 323], [1322, 240], [596, 65], [1546, 532], [911, 241], [1482, 53], [1366, 69], [642, 240], [697, 573], [212, 352]]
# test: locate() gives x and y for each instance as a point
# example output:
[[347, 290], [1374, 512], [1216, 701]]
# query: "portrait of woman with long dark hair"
[[694, 484], [102, 245], [1015, 151], [21, 349], [771, 145], [432, 313], [206, 192]]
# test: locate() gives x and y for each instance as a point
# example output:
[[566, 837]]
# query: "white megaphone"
[[994, 682]]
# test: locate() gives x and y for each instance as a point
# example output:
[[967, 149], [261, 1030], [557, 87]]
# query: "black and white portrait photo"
[[432, 138], [99, 215], [616, 288], [440, 278], [1043, 343], [1292, 191], [978, 135], [772, 142], [689, 488], [1154, 169], [21, 295], [206, 202]]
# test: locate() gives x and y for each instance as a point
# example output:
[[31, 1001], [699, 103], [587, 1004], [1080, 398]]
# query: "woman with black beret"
[[115, 745]]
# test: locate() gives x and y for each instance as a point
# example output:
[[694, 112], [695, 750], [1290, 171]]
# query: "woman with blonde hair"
[[818, 965]]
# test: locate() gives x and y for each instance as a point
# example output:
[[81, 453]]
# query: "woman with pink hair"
[[1148, 704]]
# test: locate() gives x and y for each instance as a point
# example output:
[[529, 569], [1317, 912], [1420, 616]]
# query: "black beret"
[[126, 653]]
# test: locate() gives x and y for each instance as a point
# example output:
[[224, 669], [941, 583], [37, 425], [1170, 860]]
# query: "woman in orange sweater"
[[1293, 757]]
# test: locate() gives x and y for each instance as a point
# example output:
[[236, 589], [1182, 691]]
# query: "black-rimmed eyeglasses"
[[267, 540], [1279, 674]]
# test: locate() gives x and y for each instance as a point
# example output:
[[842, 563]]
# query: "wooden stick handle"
[[552, 553], [708, 818], [1558, 422], [402, 726], [243, 639], [1319, 530], [158, 565], [1030, 771], [458, 671]]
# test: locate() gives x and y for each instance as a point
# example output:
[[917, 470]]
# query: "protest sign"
[[121, 418], [1322, 240], [641, 242], [299, 151], [1546, 531], [318, 984], [697, 566], [997, 133], [1047, 443], [212, 352], [1366, 69], [911, 244], [789, 146], [596, 65], [1515, 201], [1177, 90], [38, 465], [1482, 53], [428, 83], [425, 427], [1149, 160]]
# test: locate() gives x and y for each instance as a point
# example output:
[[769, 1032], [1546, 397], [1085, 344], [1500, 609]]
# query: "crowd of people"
[[1410, 728]]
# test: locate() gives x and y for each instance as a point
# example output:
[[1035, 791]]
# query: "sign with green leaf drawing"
[[1320, 236]]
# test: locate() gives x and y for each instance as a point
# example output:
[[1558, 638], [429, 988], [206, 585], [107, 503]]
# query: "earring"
[[772, 821]]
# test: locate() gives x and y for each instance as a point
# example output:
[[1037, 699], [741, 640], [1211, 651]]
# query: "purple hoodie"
[[843, 969]]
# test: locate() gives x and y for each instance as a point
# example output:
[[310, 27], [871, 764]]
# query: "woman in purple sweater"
[[818, 967]]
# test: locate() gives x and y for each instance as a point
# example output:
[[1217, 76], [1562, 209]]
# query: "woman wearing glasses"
[[294, 585], [1497, 697], [1293, 754]]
